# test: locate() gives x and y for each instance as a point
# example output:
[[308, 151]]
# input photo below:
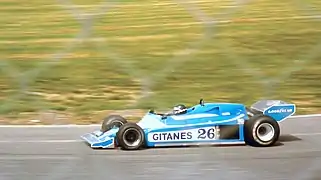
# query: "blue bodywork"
[[202, 124]]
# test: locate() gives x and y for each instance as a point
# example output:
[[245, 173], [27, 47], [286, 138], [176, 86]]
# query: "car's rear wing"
[[277, 109]]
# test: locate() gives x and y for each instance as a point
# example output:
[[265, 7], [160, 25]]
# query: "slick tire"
[[112, 121], [261, 131], [251, 112], [130, 137]]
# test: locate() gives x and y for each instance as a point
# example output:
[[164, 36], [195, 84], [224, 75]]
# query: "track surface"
[[58, 153]]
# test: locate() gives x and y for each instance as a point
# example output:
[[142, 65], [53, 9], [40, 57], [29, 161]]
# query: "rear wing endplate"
[[277, 109]]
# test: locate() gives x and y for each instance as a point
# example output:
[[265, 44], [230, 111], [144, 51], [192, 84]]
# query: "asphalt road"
[[49, 153]]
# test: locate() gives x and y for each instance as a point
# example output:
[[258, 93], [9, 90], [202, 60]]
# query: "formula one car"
[[201, 124]]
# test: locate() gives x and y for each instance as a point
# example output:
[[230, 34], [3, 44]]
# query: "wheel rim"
[[132, 137], [265, 132]]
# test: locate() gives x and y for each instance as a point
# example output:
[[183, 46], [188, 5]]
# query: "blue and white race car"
[[202, 124]]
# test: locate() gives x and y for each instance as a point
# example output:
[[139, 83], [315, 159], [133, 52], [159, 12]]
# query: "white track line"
[[51, 126], [307, 134], [79, 140], [42, 141], [97, 125], [305, 116], [32, 157]]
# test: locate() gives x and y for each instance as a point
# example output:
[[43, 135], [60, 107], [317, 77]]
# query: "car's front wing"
[[97, 139]]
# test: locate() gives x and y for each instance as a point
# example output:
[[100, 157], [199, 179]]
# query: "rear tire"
[[130, 137], [112, 121], [252, 112], [261, 131]]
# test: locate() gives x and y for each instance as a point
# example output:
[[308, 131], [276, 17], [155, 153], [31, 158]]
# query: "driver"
[[179, 109]]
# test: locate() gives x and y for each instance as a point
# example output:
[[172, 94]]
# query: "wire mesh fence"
[[238, 51], [76, 60]]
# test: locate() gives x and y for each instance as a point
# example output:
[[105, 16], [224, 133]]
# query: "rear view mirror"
[[201, 102]]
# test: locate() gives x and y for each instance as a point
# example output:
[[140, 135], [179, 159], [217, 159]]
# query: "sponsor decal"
[[168, 136], [282, 110], [197, 134]]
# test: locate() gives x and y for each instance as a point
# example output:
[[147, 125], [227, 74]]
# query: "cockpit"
[[179, 109]]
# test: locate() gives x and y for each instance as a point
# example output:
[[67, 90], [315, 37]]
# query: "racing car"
[[201, 124]]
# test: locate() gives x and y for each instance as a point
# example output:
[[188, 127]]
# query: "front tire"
[[261, 131], [112, 121], [130, 137]]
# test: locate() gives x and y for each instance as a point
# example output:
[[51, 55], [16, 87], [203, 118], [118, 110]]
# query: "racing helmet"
[[179, 109]]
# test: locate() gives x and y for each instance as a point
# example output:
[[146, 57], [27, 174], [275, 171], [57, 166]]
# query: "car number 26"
[[206, 133]]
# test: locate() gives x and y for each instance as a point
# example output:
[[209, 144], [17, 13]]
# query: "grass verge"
[[60, 69]]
